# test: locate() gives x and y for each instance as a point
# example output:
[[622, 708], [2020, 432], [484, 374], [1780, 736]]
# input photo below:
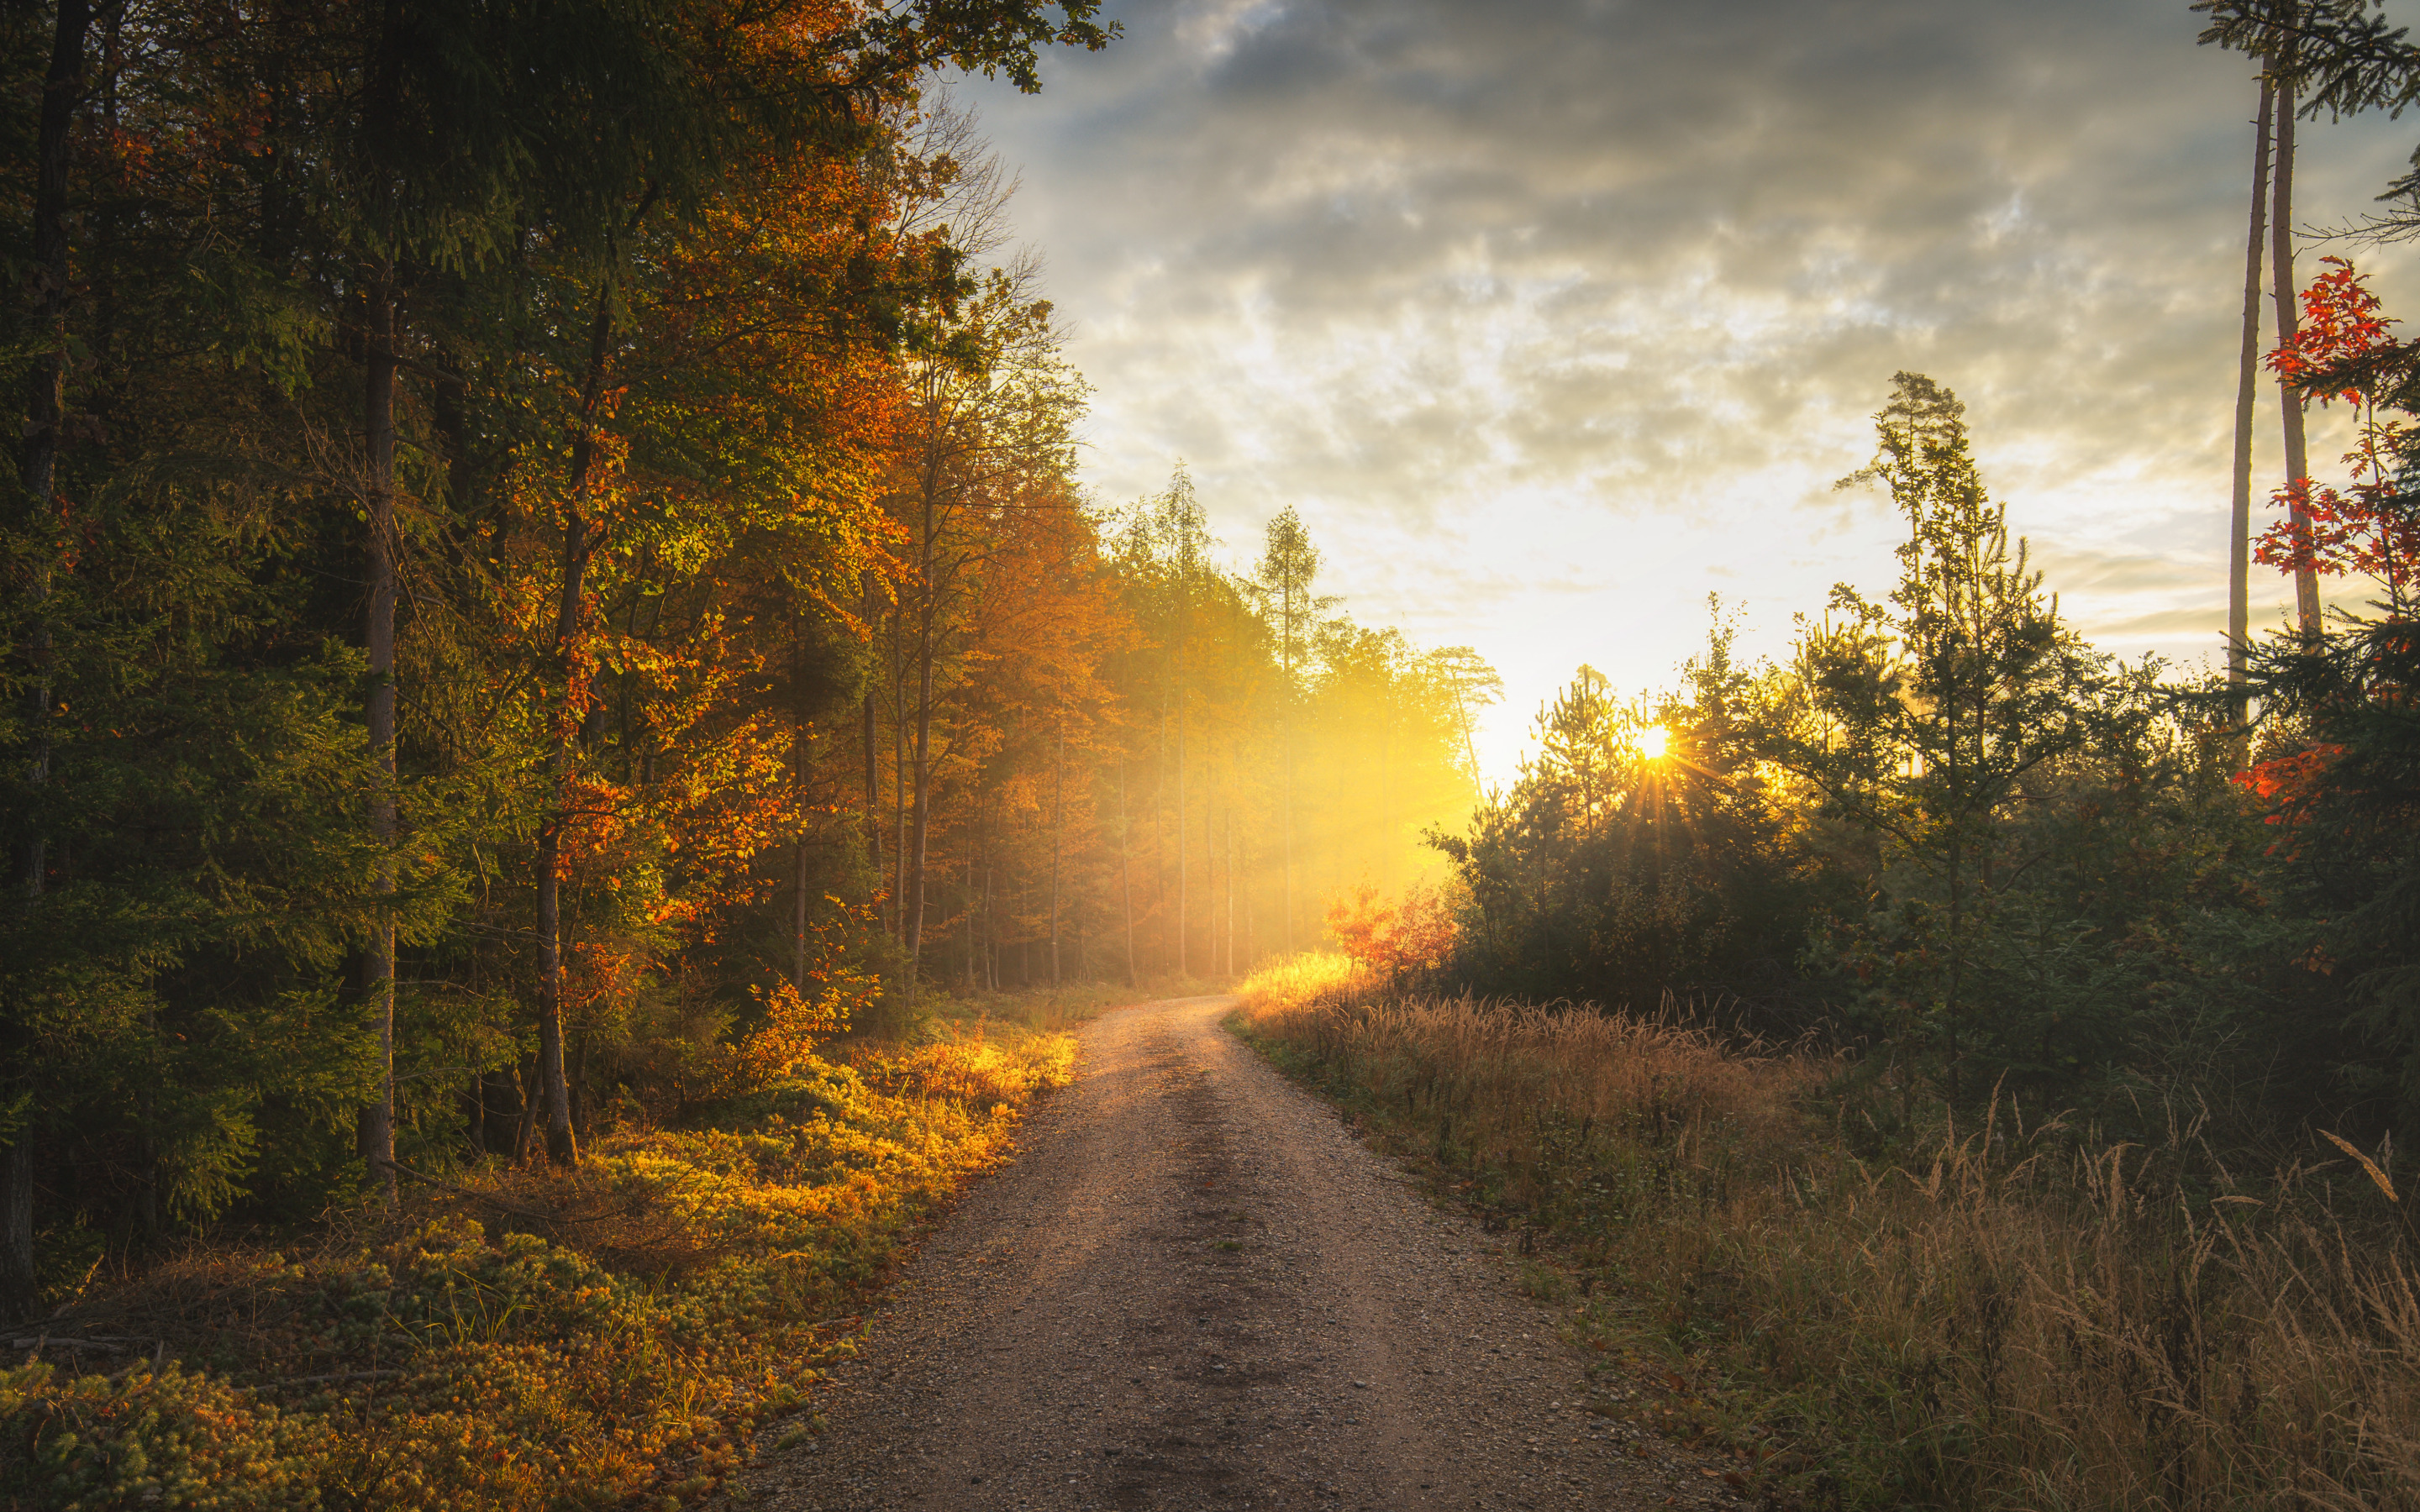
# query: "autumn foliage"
[[2342, 352], [1408, 938]]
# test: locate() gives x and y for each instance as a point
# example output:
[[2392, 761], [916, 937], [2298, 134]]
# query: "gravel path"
[[1195, 1290]]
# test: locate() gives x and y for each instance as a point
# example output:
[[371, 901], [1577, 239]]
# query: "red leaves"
[[2341, 321], [2291, 785], [2341, 530], [2363, 527], [2290, 780]]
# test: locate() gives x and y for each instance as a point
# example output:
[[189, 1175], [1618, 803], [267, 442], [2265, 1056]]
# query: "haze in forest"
[[1552, 317]]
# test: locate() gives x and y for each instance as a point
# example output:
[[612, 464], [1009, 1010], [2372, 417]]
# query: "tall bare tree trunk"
[[1249, 956], [913, 924], [2247, 384], [375, 966], [873, 782], [1058, 830], [1210, 884], [898, 776], [554, 1083], [1181, 957], [45, 408], [1230, 892], [2281, 230], [799, 752], [1286, 740], [1125, 870]]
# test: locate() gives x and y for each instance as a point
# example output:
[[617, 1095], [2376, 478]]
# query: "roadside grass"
[[513, 1339], [2013, 1315]]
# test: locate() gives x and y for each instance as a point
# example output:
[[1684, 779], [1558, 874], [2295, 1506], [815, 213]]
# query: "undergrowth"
[[515, 1339], [2015, 1315]]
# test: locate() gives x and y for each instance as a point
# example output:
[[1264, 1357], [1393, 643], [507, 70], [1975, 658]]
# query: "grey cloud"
[[1399, 262]]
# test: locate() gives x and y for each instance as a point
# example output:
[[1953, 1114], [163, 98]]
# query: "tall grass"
[[2008, 1315], [514, 1340]]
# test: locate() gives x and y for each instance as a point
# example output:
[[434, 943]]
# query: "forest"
[[496, 626], [565, 698]]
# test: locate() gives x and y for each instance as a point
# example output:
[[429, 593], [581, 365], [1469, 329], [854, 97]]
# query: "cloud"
[[1552, 316]]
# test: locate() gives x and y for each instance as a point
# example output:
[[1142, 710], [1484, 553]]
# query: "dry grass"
[[518, 1339], [2007, 1316]]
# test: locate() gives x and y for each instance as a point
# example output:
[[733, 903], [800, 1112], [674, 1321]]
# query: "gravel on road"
[[1195, 1288]]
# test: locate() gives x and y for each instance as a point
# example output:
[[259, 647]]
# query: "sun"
[[1653, 740]]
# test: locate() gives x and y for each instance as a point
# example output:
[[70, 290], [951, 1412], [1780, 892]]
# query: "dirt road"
[[1195, 1288]]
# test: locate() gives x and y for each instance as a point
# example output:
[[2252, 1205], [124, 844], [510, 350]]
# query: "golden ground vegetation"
[[516, 1338], [2013, 1314]]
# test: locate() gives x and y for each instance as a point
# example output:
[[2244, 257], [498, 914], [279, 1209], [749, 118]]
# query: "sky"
[[1553, 318]]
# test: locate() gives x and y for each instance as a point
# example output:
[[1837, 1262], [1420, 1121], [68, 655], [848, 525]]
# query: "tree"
[[1166, 547], [2239, 549], [1918, 719], [462, 393], [2345, 354], [2344, 59], [2281, 231], [992, 399], [1282, 584], [1467, 683]]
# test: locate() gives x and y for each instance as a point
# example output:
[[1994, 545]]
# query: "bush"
[[528, 1340]]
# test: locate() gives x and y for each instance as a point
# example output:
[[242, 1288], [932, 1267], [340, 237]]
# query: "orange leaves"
[[2291, 785], [1361, 922], [792, 1028], [596, 818], [1417, 935], [2288, 780]]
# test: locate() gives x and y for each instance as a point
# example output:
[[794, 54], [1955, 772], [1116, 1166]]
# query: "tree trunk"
[[21, 1295], [2247, 384], [898, 776], [873, 780], [1058, 818], [562, 1143], [799, 731], [525, 1120], [375, 966], [1286, 739], [45, 408], [1183, 965], [923, 816], [1125, 872], [2281, 231]]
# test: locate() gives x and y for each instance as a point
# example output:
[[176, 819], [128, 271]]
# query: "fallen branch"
[[49, 1339]]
